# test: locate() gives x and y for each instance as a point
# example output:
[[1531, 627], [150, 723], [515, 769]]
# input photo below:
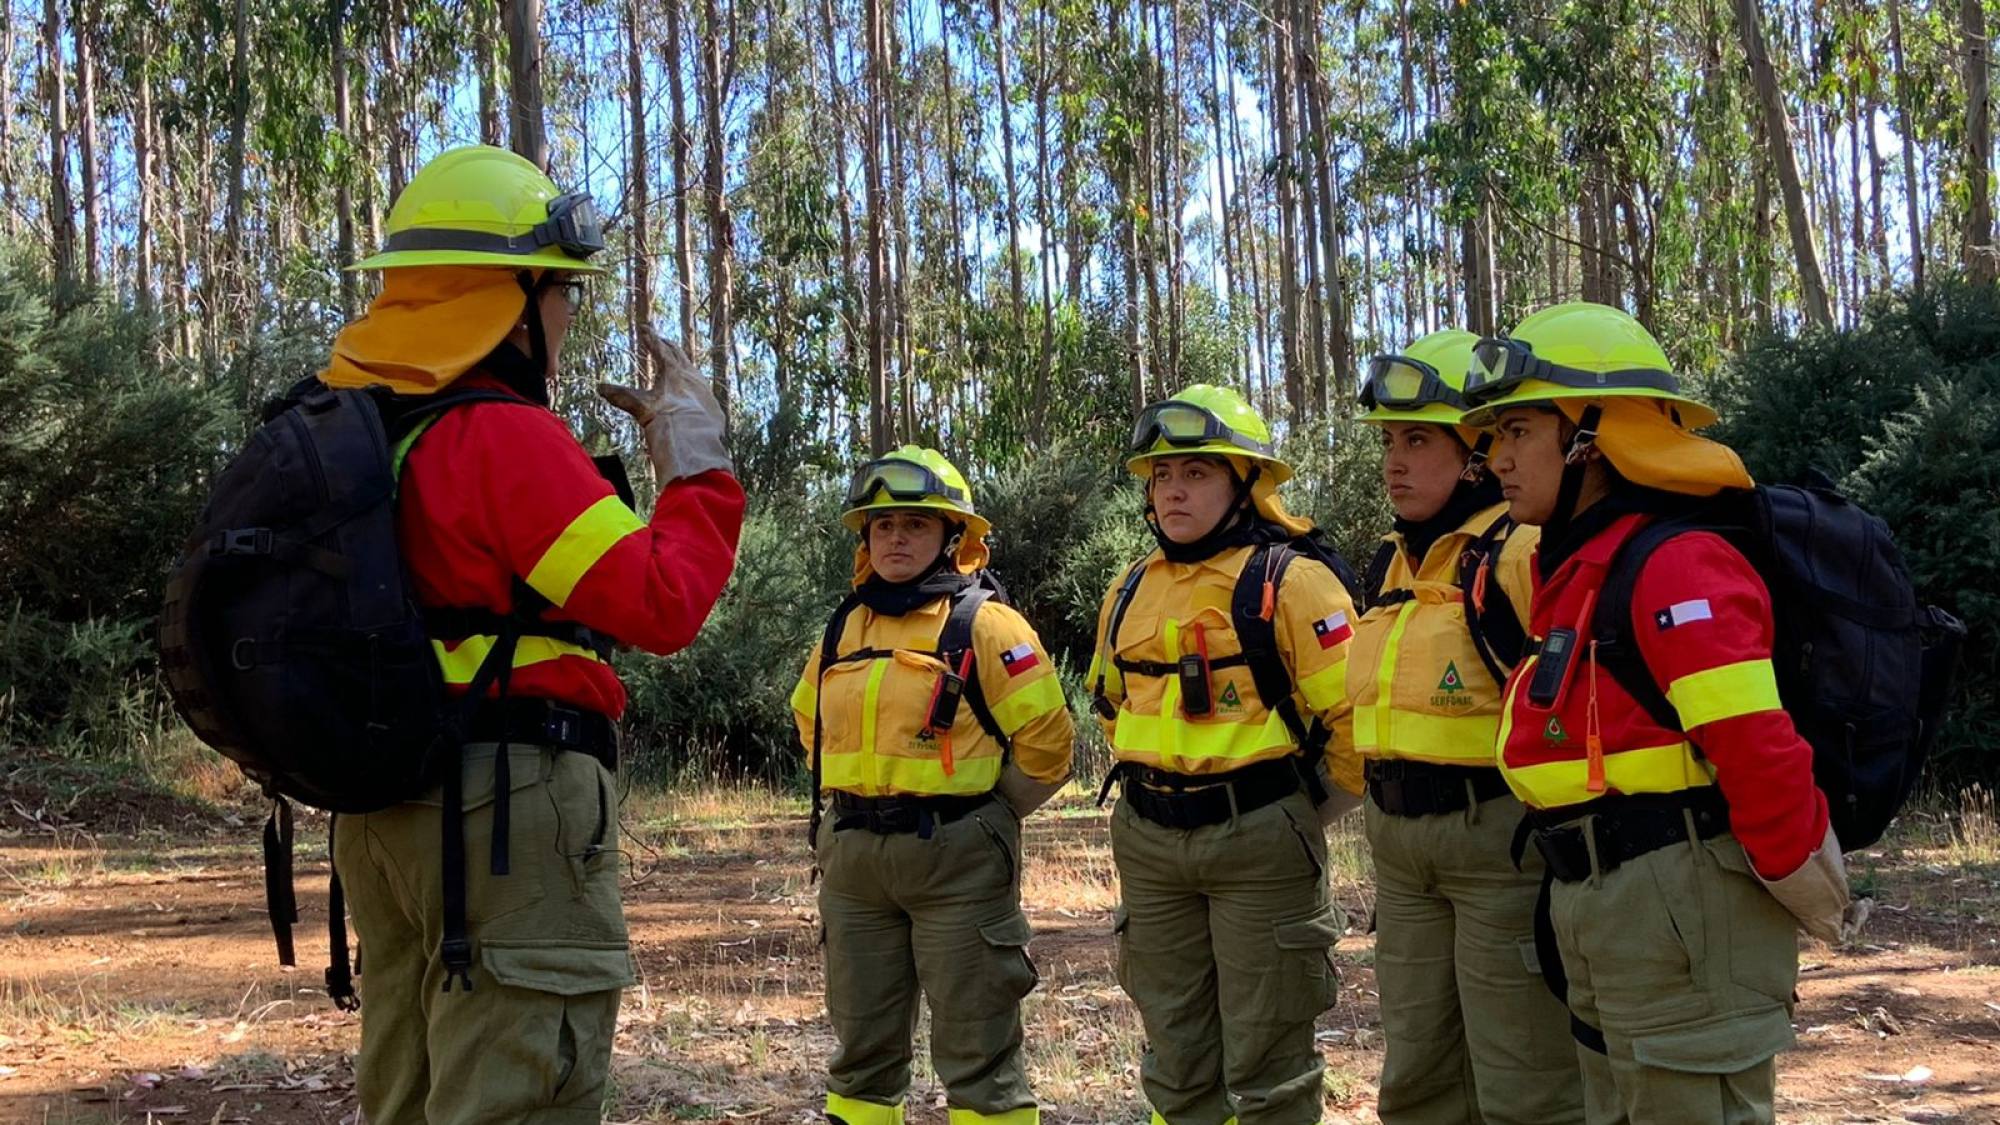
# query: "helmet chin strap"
[[535, 387], [1575, 457]]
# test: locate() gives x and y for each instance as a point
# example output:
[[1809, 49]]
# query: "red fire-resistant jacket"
[[1702, 621], [493, 492]]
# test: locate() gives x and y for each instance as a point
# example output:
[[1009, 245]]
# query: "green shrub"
[[1903, 413]]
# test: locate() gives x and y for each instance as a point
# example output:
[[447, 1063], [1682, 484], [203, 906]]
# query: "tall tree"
[[721, 234], [83, 27], [1912, 188], [527, 127], [343, 177], [1003, 94], [62, 217], [683, 180], [1977, 54], [638, 199], [1778, 139]]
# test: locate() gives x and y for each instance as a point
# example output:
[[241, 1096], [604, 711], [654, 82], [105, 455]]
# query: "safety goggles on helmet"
[[1399, 383], [1184, 425], [1499, 365], [572, 226], [901, 480]]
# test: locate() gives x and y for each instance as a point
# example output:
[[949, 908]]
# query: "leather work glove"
[[677, 415], [1024, 794], [1816, 893], [1339, 802]]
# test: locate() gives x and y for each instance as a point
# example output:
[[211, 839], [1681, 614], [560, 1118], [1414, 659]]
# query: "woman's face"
[[1528, 454], [1191, 495], [1421, 463], [904, 542], [558, 299]]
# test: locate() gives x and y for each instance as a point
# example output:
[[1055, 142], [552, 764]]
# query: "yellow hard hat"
[[1207, 420], [484, 206], [1576, 350], [912, 477]]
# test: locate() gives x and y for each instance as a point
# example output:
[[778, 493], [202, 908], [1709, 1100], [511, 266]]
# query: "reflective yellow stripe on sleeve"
[[1725, 692], [1028, 703], [599, 528], [1325, 687], [805, 697]]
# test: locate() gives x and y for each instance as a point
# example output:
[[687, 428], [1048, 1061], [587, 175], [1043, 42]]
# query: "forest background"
[[992, 226]]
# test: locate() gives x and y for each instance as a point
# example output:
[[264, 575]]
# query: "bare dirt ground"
[[138, 981]]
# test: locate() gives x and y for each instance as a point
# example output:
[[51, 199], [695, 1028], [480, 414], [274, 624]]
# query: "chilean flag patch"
[[1681, 613], [1332, 629], [1019, 659]]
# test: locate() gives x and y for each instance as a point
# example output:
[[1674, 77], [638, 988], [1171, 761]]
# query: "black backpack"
[[1864, 669], [1490, 615], [290, 638], [1254, 631], [961, 681]]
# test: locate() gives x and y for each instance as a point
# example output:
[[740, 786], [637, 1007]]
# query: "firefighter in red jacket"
[[1683, 858], [495, 999]]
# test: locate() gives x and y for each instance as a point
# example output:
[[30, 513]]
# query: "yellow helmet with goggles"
[[1203, 420]]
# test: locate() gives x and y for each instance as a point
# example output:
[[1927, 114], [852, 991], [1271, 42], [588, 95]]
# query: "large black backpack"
[[292, 643], [1250, 614], [1863, 668]]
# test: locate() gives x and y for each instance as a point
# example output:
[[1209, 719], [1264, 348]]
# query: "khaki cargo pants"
[[1223, 939], [1472, 1031], [941, 917], [532, 1041], [1688, 965]]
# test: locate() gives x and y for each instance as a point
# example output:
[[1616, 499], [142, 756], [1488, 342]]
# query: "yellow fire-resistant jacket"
[[874, 710], [1313, 619], [1419, 688]]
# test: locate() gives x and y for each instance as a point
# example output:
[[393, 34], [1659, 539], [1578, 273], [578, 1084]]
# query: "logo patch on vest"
[[1554, 732], [1230, 699], [1019, 659], [1451, 690]]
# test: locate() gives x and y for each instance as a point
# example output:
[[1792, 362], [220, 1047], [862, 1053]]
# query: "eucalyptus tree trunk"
[[638, 193], [1912, 187], [62, 216], [527, 129], [343, 190], [1778, 139], [721, 236], [1000, 38], [683, 180], [83, 30], [1976, 53]]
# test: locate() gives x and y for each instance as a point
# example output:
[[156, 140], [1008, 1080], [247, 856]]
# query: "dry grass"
[[82, 1010], [727, 1037]]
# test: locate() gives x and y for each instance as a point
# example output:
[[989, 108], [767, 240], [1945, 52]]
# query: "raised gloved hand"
[[1024, 794], [677, 415], [1816, 893]]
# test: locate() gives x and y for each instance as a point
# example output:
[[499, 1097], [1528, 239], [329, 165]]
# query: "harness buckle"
[[242, 541]]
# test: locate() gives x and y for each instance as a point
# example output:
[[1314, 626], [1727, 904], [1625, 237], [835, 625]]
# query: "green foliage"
[[104, 452], [1933, 473], [722, 706], [1904, 413]]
